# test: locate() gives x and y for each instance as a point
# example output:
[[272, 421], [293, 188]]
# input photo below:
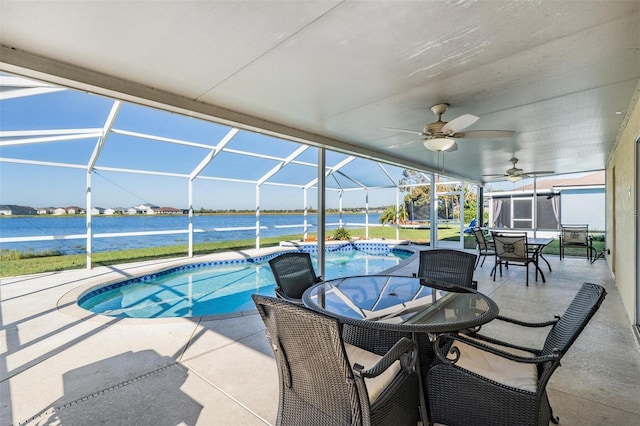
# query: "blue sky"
[[40, 186]]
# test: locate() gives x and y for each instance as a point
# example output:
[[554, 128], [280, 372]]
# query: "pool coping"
[[68, 303]]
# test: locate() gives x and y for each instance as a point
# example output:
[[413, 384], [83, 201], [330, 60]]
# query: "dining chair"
[[448, 266], [576, 236], [294, 274], [485, 247], [477, 380], [324, 381], [512, 249]]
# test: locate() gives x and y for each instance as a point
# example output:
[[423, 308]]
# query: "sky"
[[47, 186]]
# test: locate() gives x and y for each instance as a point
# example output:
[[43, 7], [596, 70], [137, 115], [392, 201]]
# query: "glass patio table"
[[403, 304], [400, 303]]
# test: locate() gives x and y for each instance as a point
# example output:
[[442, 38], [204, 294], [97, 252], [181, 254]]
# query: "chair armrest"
[[453, 350], [283, 296], [503, 343], [528, 324], [404, 351]]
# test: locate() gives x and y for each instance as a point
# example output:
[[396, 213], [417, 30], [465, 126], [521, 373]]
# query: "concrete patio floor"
[[63, 365]]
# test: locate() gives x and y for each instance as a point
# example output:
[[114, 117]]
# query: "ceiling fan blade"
[[485, 134], [541, 172], [393, 129], [459, 123], [496, 175], [405, 143]]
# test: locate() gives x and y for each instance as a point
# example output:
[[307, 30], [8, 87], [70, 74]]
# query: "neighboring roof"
[[593, 179]]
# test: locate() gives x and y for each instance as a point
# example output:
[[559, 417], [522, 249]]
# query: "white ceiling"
[[337, 72]]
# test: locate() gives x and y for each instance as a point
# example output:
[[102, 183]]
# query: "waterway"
[[211, 225]]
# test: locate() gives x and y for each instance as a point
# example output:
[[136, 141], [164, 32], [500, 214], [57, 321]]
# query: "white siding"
[[583, 206]]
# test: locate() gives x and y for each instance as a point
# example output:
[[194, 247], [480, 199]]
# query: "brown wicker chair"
[[294, 274], [324, 381], [448, 266], [477, 380], [485, 248]]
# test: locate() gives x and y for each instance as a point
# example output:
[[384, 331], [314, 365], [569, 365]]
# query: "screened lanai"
[[107, 157]]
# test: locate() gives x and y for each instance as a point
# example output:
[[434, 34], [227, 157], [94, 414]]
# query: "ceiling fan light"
[[514, 178], [438, 144]]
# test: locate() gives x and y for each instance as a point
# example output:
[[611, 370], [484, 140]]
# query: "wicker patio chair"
[[324, 381], [512, 249], [485, 248], [294, 274], [477, 380], [576, 236], [448, 266]]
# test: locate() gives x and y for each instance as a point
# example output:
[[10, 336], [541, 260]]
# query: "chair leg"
[[527, 274]]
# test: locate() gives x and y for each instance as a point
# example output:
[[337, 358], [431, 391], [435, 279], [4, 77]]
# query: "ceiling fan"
[[440, 135], [515, 174]]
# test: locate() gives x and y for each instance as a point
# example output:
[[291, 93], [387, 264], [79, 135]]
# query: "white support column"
[[480, 205], [88, 216], [433, 220], [534, 223], [257, 216], [397, 213], [366, 214], [321, 209], [461, 218], [340, 225], [97, 149], [190, 218], [305, 234]]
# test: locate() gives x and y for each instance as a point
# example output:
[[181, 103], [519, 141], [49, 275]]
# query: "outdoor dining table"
[[402, 304], [539, 244]]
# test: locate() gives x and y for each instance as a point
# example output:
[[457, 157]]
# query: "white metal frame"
[[101, 135]]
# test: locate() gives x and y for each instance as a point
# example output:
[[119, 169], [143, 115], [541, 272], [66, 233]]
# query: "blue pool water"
[[221, 287]]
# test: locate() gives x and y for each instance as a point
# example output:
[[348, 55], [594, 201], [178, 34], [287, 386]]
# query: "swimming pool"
[[223, 287]]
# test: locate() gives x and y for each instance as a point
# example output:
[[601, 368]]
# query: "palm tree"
[[389, 215]]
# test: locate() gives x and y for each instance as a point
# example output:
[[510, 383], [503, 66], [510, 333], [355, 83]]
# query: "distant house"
[[109, 212], [131, 210], [97, 210], [168, 210], [147, 208], [45, 210], [59, 211], [559, 201], [75, 210], [12, 209]]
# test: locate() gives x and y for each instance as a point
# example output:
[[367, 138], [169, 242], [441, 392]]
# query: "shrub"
[[341, 234]]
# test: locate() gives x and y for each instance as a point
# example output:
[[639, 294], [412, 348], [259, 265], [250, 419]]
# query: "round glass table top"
[[401, 303]]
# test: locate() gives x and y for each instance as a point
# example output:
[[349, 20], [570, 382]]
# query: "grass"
[[14, 263]]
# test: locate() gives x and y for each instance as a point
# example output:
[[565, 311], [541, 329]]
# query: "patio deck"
[[62, 365]]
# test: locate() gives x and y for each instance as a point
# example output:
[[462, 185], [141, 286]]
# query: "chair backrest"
[[294, 273], [510, 246], [316, 381], [447, 266], [583, 306], [574, 234], [480, 239]]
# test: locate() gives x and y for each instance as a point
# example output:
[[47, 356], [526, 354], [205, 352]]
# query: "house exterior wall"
[[583, 206], [621, 212]]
